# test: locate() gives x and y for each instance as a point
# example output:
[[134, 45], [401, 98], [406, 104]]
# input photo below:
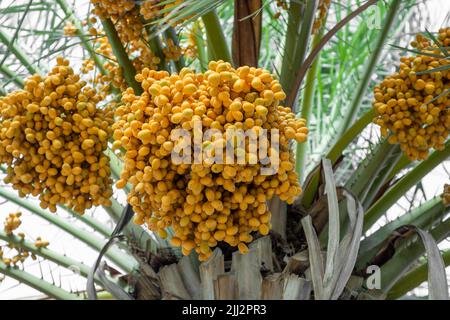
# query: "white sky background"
[[64, 243]]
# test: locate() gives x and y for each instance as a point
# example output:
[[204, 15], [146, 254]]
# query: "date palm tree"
[[338, 240]]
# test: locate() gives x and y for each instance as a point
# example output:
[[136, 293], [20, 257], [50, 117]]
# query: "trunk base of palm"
[[255, 275]]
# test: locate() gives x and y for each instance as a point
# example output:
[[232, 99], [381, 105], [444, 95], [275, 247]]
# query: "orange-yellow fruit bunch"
[[205, 202], [40, 243], [146, 58], [446, 195], [53, 135], [150, 9], [412, 108], [19, 257], [114, 74], [114, 7], [174, 6], [155, 9], [87, 66], [191, 50], [129, 25], [421, 42], [125, 16], [12, 222], [322, 12]]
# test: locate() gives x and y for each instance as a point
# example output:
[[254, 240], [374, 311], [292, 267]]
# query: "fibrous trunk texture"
[[247, 32]]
